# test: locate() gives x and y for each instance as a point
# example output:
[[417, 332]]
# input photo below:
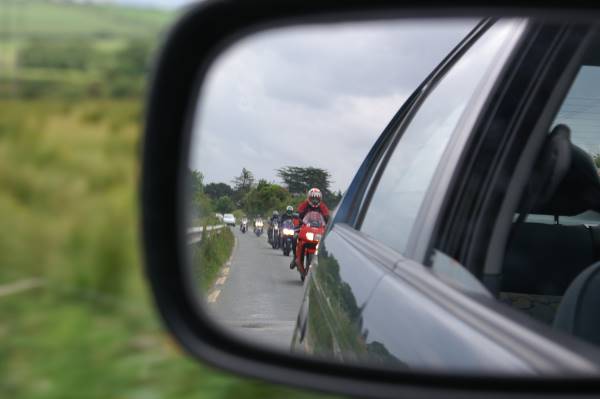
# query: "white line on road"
[[212, 298], [20, 286], [221, 280]]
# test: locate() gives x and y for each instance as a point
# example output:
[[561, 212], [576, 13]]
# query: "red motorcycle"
[[311, 232]]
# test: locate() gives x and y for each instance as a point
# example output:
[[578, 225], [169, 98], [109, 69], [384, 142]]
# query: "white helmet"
[[314, 197]]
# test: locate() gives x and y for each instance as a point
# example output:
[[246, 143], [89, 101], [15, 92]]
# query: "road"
[[259, 296]]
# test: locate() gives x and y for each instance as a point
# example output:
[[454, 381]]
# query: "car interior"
[[551, 267]]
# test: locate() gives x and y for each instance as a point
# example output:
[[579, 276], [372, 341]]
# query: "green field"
[[27, 18], [76, 320], [37, 39]]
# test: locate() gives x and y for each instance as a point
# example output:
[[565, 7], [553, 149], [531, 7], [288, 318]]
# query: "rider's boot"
[[294, 261]]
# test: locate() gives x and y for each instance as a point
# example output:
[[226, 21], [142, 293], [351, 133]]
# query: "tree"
[[63, 54], [224, 205], [196, 181], [596, 158], [125, 73], [299, 180], [244, 181], [242, 184], [266, 197], [218, 190], [332, 199]]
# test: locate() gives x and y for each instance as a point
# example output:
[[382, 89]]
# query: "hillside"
[[38, 18], [66, 49]]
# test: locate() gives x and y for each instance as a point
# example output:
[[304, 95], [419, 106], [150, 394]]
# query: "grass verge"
[[210, 254]]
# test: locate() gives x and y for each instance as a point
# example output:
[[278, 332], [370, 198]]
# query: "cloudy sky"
[[316, 95]]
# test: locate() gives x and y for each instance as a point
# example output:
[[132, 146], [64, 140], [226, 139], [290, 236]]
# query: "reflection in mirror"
[[283, 112]]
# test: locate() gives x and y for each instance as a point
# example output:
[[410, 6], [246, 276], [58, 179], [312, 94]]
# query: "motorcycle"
[[275, 239], [287, 237], [258, 227], [309, 236], [244, 225]]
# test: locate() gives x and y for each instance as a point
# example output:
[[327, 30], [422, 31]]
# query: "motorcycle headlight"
[[310, 236], [288, 232]]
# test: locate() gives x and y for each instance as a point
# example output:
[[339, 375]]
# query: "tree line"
[[46, 65], [249, 196]]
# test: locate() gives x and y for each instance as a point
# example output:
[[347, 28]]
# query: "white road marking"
[[20, 286], [221, 280], [212, 298]]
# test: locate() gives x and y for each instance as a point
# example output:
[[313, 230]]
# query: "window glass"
[[548, 250], [581, 110], [401, 190]]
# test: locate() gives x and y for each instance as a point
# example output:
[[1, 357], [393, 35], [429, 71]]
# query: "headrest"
[[579, 190], [576, 189]]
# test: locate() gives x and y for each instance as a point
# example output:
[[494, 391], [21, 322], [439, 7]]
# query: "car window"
[[558, 243], [398, 196]]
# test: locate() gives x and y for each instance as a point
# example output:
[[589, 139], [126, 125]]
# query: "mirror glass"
[[282, 112]]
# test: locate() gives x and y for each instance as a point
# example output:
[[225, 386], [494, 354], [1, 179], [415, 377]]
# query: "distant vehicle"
[[229, 219], [258, 227], [287, 236]]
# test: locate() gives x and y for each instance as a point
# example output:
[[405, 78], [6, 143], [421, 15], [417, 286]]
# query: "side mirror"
[[204, 126]]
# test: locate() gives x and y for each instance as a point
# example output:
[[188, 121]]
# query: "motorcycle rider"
[[288, 215], [314, 203], [257, 219], [274, 220], [244, 223]]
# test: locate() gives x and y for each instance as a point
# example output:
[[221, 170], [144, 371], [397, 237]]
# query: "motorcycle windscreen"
[[287, 224], [314, 219]]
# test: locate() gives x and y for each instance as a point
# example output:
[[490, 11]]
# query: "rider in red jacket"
[[313, 202]]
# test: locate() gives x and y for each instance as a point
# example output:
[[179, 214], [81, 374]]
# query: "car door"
[[388, 287]]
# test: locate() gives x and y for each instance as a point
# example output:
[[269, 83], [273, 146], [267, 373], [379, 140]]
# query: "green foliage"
[[242, 184], [239, 214], [266, 197], [224, 205], [196, 181], [203, 205], [299, 180], [213, 251], [217, 190], [57, 19], [596, 158], [70, 60], [72, 53]]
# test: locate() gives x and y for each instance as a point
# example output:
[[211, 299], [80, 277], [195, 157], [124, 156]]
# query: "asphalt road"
[[259, 296]]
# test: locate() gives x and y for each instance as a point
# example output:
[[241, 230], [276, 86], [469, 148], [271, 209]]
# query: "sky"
[[312, 95]]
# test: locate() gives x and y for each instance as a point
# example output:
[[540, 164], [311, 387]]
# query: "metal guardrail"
[[194, 234]]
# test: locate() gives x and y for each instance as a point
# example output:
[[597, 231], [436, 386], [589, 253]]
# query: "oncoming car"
[[229, 219]]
